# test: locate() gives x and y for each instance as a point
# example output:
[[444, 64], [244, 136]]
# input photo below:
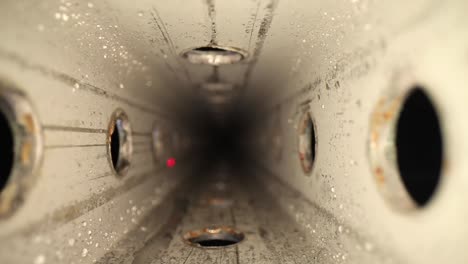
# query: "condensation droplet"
[[368, 246], [40, 259]]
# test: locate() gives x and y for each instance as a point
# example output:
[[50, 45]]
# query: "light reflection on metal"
[[214, 55]]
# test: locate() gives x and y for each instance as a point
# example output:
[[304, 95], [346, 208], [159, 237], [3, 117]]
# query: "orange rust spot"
[[387, 115], [379, 175], [26, 153], [192, 234], [211, 230], [29, 123], [375, 136], [111, 130], [301, 156]]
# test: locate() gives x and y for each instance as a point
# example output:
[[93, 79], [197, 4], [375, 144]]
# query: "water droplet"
[[368, 246], [71, 242], [40, 259], [65, 17], [84, 253], [140, 13], [340, 229], [90, 5], [121, 87], [40, 27]]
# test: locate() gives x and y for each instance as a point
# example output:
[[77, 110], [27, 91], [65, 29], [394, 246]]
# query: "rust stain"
[[213, 230], [7, 199], [28, 120], [387, 116], [26, 153], [375, 135], [379, 175]]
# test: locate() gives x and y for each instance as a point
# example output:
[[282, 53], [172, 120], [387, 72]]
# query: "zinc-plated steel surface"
[[340, 61]]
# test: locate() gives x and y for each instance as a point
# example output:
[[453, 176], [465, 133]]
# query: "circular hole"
[[419, 146], [21, 148], [307, 143], [214, 237], [7, 150], [120, 142], [213, 55]]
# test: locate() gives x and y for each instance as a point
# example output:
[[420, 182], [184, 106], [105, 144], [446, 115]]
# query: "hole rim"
[[217, 56], [27, 143], [307, 165], [216, 233], [383, 152], [119, 120]]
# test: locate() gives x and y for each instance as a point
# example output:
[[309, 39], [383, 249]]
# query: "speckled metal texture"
[[338, 60]]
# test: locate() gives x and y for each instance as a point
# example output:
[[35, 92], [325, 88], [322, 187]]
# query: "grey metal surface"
[[78, 61]]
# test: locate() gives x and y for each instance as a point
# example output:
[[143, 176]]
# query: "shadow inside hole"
[[419, 146], [307, 143], [216, 240], [115, 145], [7, 150]]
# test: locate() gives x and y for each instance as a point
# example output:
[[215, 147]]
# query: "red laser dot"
[[170, 162]]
